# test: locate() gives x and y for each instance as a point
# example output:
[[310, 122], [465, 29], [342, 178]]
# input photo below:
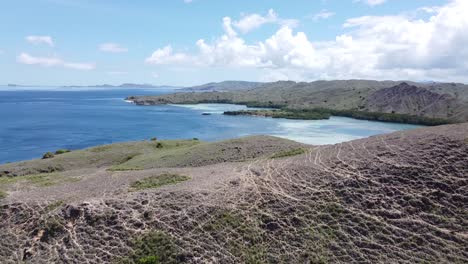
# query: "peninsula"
[[392, 101]]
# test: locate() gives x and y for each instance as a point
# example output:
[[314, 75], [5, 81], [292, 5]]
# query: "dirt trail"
[[401, 197]]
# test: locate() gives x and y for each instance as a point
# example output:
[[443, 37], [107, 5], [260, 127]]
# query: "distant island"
[[124, 85]]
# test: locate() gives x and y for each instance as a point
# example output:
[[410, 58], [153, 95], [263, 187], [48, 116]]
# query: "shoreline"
[[324, 114], [306, 114]]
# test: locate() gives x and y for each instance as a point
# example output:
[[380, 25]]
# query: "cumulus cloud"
[[377, 47], [112, 47], [25, 58], [167, 56], [249, 22], [324, 14], [253, 21], [40, 40]]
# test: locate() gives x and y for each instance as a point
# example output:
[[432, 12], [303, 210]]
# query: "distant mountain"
[[223, 86], [124, 85]]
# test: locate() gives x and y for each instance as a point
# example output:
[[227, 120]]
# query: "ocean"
[[34, 121]]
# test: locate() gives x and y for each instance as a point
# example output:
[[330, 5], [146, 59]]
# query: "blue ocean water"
[[34, 122]]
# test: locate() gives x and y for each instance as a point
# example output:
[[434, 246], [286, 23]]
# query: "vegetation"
[[154, 139], [153, 248], [54, 205], [52, 227], [102, 148], [288, 153], [158, 181], [48, 155], [38, 180], [142, 155], [325, 113], [284, 113], [390, 117], [2, 195], [245, 237], [62, 151]]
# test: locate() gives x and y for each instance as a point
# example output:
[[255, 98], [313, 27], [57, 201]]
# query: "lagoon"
[[36, 121]]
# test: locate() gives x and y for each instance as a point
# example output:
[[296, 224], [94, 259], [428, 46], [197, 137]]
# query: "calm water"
[[34, 122]]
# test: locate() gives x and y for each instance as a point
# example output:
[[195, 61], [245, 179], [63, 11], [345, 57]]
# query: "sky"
[[190, 42]]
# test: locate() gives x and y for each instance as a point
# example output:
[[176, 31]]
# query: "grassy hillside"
[[152, 154]]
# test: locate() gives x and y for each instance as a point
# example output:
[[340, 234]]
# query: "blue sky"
[[83, 42]]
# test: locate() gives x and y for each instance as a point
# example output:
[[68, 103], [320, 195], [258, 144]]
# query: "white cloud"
[[25, 58], [36, 40], [188, 1], [372, 2], [112, 47], [324, 14], [253, 21], [375, 47], [167, 56], [249, 22]]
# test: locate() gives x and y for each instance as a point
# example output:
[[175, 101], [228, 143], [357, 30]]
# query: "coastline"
[[281, 111]]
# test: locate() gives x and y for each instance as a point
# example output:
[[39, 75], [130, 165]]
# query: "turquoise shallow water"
[[34, 122]]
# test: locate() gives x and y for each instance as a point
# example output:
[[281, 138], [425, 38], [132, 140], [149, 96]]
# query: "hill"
[[223, 86], [396, 198], [431, 100]]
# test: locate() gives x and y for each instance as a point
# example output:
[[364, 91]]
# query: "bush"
[[154, 139], [48, 155], [288, 153], [158, 181], [159, 145], [62, 151], [196, 139], [153, 248]]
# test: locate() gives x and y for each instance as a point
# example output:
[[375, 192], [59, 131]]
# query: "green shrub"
[[149, 260], [158, 181], [154, 247], [48, 155], [288, 153], [2, 195], [196, 139], [62, 151], [154, 139], [54, 205], [159, 145]]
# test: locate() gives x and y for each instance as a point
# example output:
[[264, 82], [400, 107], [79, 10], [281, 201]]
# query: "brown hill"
[[396, 198], [413, 100]]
